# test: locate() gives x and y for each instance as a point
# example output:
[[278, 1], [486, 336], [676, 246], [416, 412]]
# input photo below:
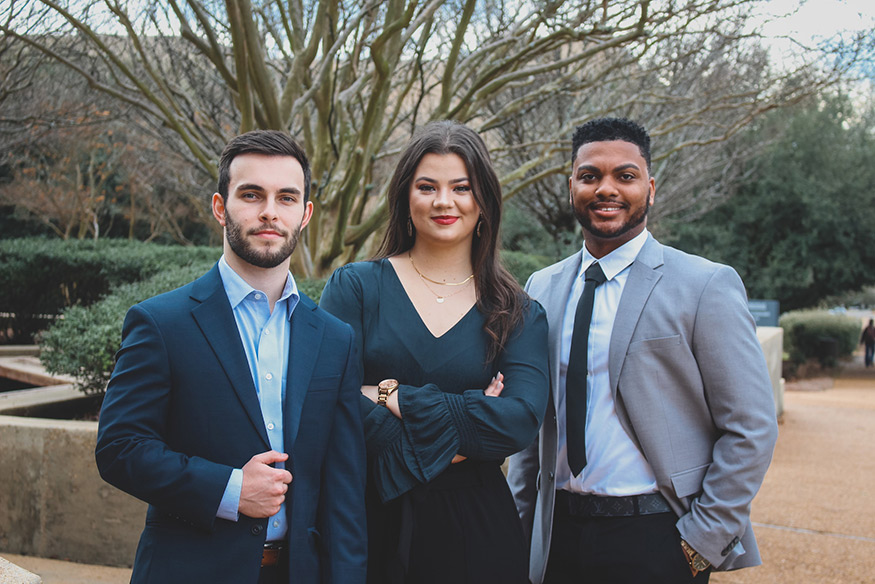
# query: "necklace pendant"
[[440, 299]]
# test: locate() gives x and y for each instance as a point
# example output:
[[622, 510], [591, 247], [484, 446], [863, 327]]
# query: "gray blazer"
[[691, 389]]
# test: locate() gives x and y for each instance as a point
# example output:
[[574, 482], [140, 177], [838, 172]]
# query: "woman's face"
[[442, 204]]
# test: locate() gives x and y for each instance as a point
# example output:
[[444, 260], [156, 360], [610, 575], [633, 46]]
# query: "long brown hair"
[[499, 296]]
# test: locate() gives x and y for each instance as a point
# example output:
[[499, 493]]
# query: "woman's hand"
[[495, 386]]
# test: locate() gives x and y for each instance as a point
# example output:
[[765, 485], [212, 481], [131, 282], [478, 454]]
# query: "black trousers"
[[618, 550], [278, 574]]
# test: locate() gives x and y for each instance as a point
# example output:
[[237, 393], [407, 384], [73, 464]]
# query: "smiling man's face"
[[611, 192]]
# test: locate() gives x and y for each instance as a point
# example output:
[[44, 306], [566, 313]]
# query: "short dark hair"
[[267, 142], [609, 129]]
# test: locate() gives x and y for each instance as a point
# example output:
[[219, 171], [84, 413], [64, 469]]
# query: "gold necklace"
[[438, 298], [424, 277]]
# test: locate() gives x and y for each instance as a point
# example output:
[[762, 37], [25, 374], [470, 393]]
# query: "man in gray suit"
[[661, 422]]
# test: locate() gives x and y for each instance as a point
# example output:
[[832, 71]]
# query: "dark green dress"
[[428, 520]]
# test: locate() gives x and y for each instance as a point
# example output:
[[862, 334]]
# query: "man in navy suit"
[[233, 406]]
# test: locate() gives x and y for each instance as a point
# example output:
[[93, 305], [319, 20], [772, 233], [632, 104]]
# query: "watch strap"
[[386, 388], [698, 562]]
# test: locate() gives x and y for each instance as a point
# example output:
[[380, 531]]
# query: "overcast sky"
[[819, 19]]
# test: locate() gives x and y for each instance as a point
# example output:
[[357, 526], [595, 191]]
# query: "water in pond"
[[7, 384]]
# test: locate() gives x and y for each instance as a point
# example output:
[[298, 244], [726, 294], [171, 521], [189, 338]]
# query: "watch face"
[[388, 384], [700, 563]]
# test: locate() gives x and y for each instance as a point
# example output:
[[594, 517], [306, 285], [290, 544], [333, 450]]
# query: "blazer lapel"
[[216, 321], [554, 305], [642, 278], [304, 345]]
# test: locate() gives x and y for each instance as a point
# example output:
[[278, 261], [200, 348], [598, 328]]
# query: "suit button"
[[256, 530], [555, 420], [552, 476], [730, 547]]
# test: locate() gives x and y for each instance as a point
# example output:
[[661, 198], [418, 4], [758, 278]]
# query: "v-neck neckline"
[[412, 306]]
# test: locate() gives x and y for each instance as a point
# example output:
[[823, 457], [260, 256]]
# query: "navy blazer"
[[181, 412]]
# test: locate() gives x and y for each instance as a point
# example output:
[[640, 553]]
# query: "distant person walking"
[[868, 339]]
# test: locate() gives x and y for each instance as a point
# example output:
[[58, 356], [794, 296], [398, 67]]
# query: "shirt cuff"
[[228, 507]]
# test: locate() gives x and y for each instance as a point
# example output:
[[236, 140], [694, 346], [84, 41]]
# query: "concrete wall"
[[772, 341], [54, 503]]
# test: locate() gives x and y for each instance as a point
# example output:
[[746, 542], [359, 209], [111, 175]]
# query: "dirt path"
[[815, 515]]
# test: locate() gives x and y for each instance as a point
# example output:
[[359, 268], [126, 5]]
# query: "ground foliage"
[[40, 277]]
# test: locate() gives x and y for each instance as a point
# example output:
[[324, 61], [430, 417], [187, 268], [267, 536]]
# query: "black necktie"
[[575, 379]]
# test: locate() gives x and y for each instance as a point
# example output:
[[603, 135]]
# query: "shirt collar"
[[238, 289], [618, 260]]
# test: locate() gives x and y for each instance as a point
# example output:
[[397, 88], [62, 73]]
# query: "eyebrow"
[[594, 168], [453, 181], [255, 187]]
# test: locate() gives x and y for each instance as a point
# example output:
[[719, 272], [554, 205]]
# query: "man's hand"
[[264, 487]]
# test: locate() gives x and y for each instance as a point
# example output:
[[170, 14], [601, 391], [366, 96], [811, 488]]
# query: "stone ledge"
[[14, 402], [17, 350], [28, 369]]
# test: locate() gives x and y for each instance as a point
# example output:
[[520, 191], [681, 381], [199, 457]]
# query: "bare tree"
[[354, 79], [696, 92]]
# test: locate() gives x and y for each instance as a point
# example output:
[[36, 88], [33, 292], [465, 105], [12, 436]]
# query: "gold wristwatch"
[[386, 388], [697, 561]]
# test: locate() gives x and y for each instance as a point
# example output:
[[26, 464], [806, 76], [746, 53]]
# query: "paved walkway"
[[814, 517]]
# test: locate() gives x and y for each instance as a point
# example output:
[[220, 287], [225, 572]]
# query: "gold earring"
[[409, 227]]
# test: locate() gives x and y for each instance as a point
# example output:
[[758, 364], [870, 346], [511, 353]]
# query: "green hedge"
[[83, 343], [522, 265], [39, 278], [817, 334]]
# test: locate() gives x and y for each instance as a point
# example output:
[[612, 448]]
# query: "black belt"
[[578, 505]]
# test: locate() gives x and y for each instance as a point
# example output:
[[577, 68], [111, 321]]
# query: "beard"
[[634, 221], [248, 253]]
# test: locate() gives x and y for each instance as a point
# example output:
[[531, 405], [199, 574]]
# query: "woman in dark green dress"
[[455, 370]]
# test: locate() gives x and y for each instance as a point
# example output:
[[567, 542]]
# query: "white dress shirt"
[[615, 466]]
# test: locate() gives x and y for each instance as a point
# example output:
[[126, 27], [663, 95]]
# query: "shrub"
[[817, 334], [41, 277], [312, 288], [522, 265], [83, 343]]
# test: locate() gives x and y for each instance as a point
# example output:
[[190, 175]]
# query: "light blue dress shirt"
[[265, 337]]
